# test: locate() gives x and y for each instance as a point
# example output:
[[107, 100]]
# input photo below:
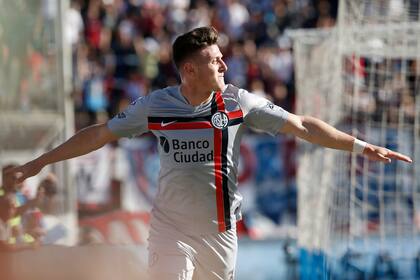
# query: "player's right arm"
[[83, 142]]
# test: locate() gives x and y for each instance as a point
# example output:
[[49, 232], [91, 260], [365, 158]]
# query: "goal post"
[[363, 77], [36, 111]]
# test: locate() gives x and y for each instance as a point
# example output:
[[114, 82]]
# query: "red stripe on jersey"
[[219, 102], [180, 125], [219, 178], [235, 114], [218, 168]]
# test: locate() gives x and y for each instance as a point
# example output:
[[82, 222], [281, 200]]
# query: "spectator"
[[237, 16], [417, 265], [291, 254], [282, 62], [237, 65], [73, 24], [93, 23], [22, 205], [33, 228], [94, 91], [384, 267], [41, 222], [8, 210], [73, 33], [350, 270], [14, 190], [257, 87]]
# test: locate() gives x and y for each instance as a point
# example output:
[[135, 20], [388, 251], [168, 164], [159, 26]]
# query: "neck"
[[194, 95]]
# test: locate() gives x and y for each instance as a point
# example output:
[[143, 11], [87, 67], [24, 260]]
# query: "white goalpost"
[[363, 76], [36, 110]]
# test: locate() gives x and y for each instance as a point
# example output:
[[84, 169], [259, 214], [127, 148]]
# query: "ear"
[[188, 68]]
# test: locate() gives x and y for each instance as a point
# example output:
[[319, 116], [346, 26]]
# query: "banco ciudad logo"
[[186, 151], [164, 144]]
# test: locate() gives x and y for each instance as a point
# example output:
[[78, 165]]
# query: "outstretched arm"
[[318, 132], [83, 142]]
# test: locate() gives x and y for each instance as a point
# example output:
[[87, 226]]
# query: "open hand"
[[382, 154]]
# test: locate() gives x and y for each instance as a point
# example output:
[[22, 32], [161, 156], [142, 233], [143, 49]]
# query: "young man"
[[199, 125]]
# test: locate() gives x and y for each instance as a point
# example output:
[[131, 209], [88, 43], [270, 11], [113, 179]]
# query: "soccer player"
[[199, 125]]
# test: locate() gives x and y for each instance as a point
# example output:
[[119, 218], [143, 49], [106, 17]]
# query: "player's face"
[[211, 69]]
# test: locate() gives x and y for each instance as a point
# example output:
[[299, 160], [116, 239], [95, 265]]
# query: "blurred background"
[[68, 64]]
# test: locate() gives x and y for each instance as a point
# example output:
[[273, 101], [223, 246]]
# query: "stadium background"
[[70, 64]]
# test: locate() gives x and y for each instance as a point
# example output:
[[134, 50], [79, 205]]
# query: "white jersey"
[[199, 152]]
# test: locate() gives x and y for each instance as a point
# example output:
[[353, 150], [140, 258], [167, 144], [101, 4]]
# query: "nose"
[[223, 67]]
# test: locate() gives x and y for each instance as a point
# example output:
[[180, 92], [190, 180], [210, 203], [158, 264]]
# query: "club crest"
[[220, 120]]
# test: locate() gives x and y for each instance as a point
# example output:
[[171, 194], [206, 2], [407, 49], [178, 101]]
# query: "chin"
[[221, 85], [218, 88]]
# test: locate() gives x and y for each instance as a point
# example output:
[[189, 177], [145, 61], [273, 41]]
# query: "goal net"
[[35, 108], [358, 218]]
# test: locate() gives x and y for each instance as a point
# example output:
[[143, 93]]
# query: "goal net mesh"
[[35, 109], [30, 83], [363, 77]]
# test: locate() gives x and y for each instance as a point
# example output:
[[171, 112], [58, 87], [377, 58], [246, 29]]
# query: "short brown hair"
[[189, 43]]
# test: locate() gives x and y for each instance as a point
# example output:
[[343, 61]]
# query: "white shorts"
[[174, 255]]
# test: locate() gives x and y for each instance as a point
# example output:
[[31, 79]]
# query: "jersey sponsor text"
[[183, 151]]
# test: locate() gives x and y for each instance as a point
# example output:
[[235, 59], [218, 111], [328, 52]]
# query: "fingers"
[[384, 158], [384, 155], [376, 156], [399, 156]]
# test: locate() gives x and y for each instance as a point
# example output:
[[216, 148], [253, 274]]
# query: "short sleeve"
[[261, 114], [133, 120]]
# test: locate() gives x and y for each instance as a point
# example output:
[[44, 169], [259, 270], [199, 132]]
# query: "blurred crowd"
[[122, 48], [383, 265], [386, 89], [26, 212]]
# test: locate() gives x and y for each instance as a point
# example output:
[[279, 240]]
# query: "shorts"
[[174, 255]]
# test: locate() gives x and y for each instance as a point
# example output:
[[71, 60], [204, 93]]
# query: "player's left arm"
[[318, 132]]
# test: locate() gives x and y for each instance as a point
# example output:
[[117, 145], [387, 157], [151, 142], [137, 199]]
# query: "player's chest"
[[197, 138]]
